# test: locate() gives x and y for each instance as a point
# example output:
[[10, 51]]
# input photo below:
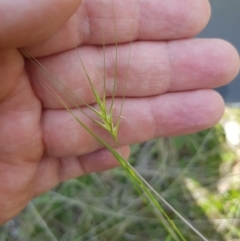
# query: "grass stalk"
[[106, 122]]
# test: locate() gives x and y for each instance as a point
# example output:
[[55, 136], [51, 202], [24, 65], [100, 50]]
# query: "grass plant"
[[106, 121]]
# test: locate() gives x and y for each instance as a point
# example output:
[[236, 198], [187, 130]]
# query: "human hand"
[[168, 89]]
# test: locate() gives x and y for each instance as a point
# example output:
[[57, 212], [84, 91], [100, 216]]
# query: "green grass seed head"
[[104, 118]]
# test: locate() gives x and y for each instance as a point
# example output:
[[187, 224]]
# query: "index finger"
[[110, 21], [24, 22]]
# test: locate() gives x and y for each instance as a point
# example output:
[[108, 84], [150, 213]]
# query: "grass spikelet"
[[105, 114]]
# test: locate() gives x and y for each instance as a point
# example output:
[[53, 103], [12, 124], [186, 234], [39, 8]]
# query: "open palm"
[[168, 88]]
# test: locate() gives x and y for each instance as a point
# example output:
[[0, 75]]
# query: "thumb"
[[27, 22]]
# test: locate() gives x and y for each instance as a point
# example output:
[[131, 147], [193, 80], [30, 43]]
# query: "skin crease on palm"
[[168, 91]]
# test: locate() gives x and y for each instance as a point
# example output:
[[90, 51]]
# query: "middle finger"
[[153, 68]]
